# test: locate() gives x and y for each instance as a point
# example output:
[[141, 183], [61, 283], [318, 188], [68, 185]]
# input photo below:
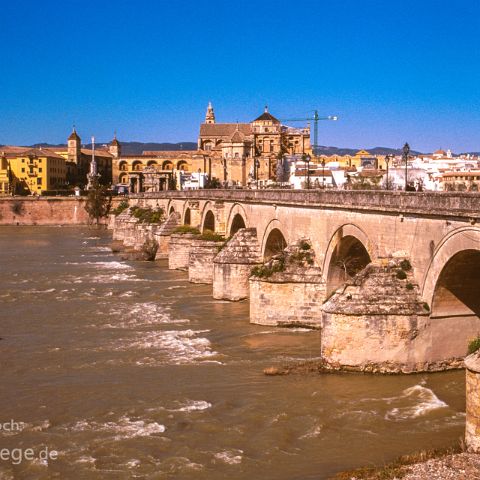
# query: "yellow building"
[[31, 170]]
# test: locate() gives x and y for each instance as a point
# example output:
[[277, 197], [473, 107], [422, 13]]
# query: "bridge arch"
[[187, 216], [171, 208], [348, 252], [452, 280], [208, 221], [274, 241], [237, 219], [208, 217]]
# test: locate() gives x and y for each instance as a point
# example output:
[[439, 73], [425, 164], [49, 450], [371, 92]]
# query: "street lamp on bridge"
[[406, 154]]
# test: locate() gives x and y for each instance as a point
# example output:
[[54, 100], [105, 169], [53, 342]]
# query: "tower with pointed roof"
[[115, 148], [210, 116], [74, 147]]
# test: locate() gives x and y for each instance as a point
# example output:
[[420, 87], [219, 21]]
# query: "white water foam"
[[176, 346], [231, 457], [114, 265], [424, 400], [49, 290], [313, 432], [146, 313], [193, 405], [101, 249], [117, 277], [122, 429]]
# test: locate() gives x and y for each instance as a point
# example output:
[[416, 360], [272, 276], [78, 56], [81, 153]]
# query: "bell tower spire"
[[210, 116]]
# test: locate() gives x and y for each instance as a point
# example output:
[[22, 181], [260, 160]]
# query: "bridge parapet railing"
[[427, 203]]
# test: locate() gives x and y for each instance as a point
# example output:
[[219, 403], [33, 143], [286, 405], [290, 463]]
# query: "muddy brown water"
[[128, 371]]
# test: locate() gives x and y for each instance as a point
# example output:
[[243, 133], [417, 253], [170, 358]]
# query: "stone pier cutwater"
[[289, 289], [129, 235], [234, 264], [200, 263], [377, 322], [162, 235], [179, 250]]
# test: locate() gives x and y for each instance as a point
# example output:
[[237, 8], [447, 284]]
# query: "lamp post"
[[406, 152], [199, 178], [323, 173], [387, 161], [307, 160]]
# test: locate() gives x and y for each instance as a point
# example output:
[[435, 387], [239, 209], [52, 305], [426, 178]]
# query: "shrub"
[[187, 229], [409, 286], [401, 275], [304, 245], [122, 206], [426, 307], [147, 215], [268, 269], [405, 265], [211, 236], [474, 345]]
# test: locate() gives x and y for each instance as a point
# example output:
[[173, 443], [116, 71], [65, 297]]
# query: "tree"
[[98, 202]]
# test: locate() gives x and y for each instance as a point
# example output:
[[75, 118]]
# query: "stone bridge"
[[391, 278]]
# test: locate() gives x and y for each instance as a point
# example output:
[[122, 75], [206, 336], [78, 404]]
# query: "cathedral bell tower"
[[74, 147], [210, 116], [114, 148]]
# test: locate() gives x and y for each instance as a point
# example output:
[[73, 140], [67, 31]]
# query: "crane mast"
[[315, 120]]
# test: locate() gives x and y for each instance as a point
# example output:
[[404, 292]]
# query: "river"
[[125, 370]]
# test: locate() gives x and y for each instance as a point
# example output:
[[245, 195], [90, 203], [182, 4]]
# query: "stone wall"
[[286, 303], [43, 211], [179, 251], [200, 265], [233, 266], [230, 281], [472, 427]]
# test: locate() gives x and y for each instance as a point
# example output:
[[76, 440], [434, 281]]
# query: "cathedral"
[[233, 154]]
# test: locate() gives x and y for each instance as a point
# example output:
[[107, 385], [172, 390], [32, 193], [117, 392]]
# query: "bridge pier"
[[179, 250], [233, 266], [472, 427], [288, 290], [377, 322], [200, 264], [162, 235]]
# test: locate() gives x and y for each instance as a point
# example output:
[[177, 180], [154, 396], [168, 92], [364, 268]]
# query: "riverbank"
[[450, 464]]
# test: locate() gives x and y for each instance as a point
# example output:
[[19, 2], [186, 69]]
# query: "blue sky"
[[393, 71]]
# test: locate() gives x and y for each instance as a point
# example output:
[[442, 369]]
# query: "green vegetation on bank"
[[98, 202]]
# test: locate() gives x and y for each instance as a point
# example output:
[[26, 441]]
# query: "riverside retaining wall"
[[45, 211]]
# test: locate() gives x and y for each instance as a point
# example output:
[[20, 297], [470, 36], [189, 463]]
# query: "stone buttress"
[[233, 265], [288, 290]]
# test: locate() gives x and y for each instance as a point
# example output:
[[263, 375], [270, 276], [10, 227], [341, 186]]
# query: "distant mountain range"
[[132, 148], [136, 148], [352, 151]]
